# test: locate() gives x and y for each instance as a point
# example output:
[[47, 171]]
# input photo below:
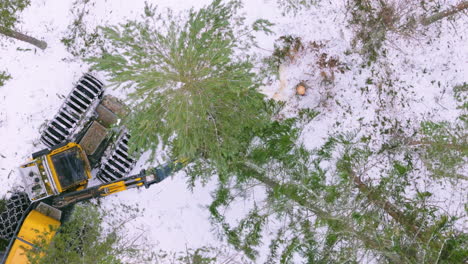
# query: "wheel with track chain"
[[80, 100], [117, 163], [14, 209]]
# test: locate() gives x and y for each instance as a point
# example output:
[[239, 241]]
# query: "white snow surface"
[[425, 70]]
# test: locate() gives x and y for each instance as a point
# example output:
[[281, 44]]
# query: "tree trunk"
[[461, 147], [20, 36], [441, 15], [385, 205]]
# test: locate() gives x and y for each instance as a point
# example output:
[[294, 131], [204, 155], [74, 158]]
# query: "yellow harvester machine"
[[84, 137]]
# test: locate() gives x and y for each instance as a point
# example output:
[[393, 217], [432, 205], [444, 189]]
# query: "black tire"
[[14, 209]]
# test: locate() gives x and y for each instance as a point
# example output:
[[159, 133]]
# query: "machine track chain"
[[14, 209], [61, 127], [118, 163]]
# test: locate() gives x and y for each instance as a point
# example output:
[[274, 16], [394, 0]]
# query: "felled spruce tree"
[[190, 81]]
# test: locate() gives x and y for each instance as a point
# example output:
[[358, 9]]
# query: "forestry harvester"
[[83, 137]]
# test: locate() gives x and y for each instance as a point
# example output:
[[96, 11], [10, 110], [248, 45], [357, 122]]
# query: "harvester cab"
[[56, 171]]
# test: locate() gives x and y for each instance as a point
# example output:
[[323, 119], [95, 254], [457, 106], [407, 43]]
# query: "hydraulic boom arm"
[[144, 178]]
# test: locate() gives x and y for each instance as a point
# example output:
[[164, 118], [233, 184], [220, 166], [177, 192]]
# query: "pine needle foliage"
[[4, 76], [443, 148], [190, 79], [9, 10], [294, 6]]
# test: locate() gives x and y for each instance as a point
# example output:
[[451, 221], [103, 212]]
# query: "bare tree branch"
[[446, 13]]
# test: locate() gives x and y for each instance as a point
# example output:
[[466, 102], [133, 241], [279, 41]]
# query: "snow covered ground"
[[425, 69]]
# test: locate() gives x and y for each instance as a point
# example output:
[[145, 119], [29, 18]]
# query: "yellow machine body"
[[37, 227]]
